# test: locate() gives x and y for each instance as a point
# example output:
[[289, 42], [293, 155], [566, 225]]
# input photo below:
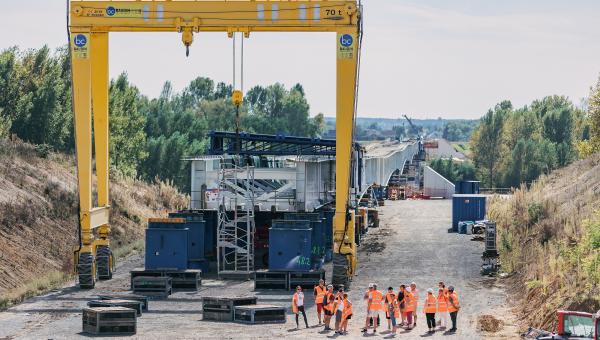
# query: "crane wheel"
[[103, 262], [85, 271], [340, 271]]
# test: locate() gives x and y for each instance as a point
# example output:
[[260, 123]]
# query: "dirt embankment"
[[549, 239], [38, 213]]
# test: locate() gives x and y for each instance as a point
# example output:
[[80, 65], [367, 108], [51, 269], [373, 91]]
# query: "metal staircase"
[[235, 238]]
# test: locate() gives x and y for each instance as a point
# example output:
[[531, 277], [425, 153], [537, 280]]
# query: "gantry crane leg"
[[99, 48], [89, 65], [344, 248]]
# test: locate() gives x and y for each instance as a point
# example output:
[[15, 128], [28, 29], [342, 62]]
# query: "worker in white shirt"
[[339, 309], [298, 305]]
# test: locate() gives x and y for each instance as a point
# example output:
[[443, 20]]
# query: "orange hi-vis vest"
[[320, 294], [327, 295], [442, 301], [430, 304], [453, 298], [347, 309], [329, 306], [410, 302], [295, 303], [396, 307], [389, 300], [376, 300], [389, 297]]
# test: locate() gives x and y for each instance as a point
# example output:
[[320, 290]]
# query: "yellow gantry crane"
[[90, 23]]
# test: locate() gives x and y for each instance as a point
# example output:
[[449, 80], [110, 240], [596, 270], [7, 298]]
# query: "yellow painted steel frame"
[[90, 24]]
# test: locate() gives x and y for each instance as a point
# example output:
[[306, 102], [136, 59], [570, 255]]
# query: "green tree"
[[594, 117], [127, 136], [486, 141], [35, 96]]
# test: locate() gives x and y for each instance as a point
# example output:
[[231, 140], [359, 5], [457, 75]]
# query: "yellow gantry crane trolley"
[[90, 23]]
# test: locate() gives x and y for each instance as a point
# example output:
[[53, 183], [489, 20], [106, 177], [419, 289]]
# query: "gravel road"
[[412, 244]]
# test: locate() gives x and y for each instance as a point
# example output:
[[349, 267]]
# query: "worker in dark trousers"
[[298, 305], [319, 292], [430, 308], [453, 307]]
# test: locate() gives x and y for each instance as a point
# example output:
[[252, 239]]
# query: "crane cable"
[[237, 105]]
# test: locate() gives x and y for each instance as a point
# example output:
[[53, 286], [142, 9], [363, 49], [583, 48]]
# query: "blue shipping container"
[[291, 224], [196, 236], [319, 239], [210, 217], [467, 208], [290, 249], [328, 216], [167, 249], [467, 187]]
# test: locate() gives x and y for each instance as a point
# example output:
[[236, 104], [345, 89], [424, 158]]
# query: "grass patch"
[[126, 250], [533, 284], [549, 236], [33, 288]]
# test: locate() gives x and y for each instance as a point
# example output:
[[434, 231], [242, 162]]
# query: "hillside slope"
[[549, 238], [38, 213]]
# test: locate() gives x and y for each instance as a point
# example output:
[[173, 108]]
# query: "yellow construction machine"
[[90, 23]]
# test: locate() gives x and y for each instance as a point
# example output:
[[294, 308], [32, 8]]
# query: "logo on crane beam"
[[110, 11], [346, 40]]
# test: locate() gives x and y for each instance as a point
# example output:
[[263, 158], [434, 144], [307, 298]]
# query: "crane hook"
[[187, 37]]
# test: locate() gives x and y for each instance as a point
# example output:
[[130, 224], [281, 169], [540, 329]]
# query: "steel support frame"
[[90, 106], [90, 23]]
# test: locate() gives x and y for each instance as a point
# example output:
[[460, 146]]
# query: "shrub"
[[535, 211]]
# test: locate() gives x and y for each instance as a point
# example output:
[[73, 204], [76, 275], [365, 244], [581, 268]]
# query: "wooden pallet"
[[306, 280], [140, 298], [109, 321], [152, 286], [222, 308], [185, 280], [132, 304], [276, 280], [259, 314]]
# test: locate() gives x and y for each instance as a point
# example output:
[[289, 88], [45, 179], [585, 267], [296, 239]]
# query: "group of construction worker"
[[400, 309], [329, 304]]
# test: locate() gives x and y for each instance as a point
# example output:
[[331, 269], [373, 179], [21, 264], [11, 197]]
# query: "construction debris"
[[488, 323]]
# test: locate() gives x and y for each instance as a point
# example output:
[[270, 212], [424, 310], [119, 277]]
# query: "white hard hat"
[[371, 285], [430, 291]]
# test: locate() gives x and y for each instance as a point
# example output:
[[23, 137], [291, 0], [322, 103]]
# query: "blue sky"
[[427, 58]]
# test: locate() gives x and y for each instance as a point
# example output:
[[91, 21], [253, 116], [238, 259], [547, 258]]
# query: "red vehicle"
[[571, 325]]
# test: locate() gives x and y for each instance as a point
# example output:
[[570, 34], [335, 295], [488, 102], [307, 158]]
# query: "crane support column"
[[99, 58], [344, 258], [82, 81]]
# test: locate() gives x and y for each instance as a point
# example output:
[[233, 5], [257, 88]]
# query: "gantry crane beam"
[[91, 22]]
